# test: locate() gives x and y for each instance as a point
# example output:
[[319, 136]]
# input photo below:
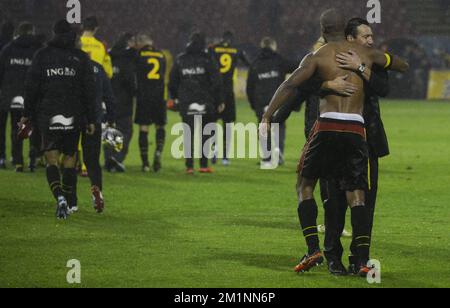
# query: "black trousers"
[[189, 142], [335, 205], [125, 126], [16, 142], [91, 155]]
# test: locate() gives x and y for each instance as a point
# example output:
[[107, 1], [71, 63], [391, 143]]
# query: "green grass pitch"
[[235, 228]]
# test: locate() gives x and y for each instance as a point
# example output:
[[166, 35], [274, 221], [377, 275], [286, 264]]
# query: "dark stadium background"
[[416, 29]]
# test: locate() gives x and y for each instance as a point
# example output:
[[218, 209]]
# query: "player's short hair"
[[124, 39], [90, 23], [198, 38], [25, 28], [268, 43], [353, 24], [144, 39], [63, 27], [228, 35], [332, 21]]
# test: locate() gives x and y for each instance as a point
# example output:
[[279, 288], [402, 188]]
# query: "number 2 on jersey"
[[226, 62], [154, 73]]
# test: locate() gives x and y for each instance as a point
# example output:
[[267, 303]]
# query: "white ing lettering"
[[25, 62], [66, 71], [193, 71]]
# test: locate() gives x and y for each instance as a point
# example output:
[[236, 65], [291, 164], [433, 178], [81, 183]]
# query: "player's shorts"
[[337, 149], [64, 142], [229, 114], [151, 112]]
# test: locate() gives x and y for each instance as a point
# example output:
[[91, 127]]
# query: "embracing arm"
[[288, 89], [388, 61]]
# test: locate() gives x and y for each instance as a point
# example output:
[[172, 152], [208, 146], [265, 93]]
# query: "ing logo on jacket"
[[64, 72]]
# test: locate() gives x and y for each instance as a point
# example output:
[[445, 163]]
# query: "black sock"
[[54, 181], [307, 213], [160, 139], [143, 145], [69, 186], [361, 238]]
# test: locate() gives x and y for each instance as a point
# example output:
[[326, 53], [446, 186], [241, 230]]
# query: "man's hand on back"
[[340, 86], [349, 61]]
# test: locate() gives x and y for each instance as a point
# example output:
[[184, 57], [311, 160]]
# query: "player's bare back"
[[328, 69]]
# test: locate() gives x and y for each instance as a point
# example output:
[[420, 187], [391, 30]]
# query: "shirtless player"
[[337, 147]]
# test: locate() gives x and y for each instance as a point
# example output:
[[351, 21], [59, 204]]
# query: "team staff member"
[[60, 93], [151, 106], [6, 36], [123, 83], [15, 60], [92, 143], [376, 85], [228, 56], [266, 74], [196, 84]]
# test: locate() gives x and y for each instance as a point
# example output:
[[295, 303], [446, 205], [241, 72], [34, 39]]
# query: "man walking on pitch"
[[60, 92], [15, 60], [265, 75], [151, 106], [195, 83], [228, 56]]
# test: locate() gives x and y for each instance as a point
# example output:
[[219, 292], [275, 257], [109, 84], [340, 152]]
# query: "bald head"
[[332, 22]]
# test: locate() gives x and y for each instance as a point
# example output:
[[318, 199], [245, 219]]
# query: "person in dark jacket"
[[60, 100], [123, 55], [267, 72], [376, 85], [196, 84], [15, 60], [92, 144], [6, 36]]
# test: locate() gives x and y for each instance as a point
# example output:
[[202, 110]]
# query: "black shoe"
[[335, 267], [353, 268], [32, 168], [157, 162], [2, 164], [19, 169]]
